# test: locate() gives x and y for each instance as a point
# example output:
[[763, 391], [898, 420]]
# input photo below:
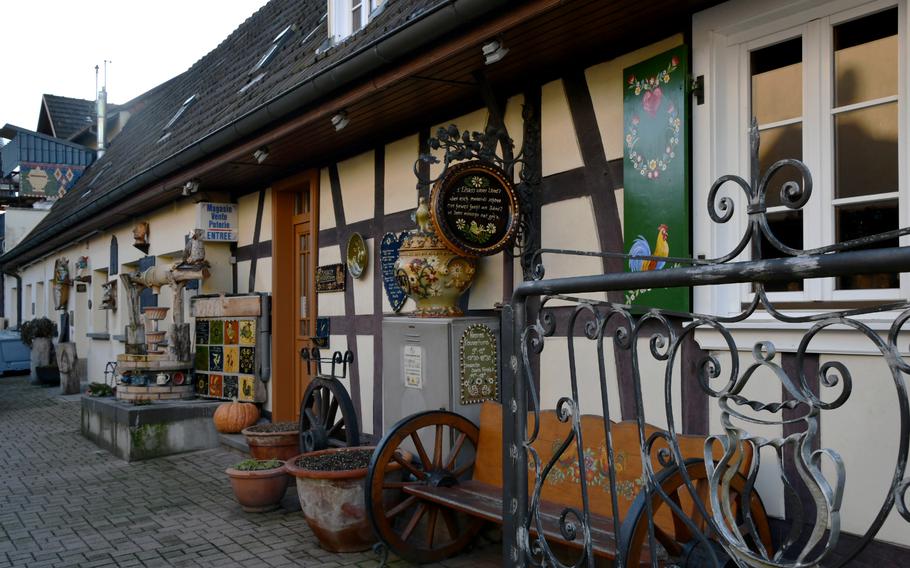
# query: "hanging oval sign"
[[357, 257], [475, 209]]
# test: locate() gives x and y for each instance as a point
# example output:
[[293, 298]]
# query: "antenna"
[[96, 80]]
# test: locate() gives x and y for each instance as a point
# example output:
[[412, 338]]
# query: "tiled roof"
[[217, 80], [69, 115]]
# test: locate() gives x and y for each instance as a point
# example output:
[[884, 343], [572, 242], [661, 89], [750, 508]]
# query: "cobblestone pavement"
[[65, 502]]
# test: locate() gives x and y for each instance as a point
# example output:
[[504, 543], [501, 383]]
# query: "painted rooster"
[[641, 248]]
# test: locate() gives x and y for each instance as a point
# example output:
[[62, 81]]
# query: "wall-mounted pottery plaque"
[[357, 257], [388, 254], [475, 209], [330, 278], [479, 365]]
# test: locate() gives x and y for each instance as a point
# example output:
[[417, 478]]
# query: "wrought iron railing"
[[722, 524]]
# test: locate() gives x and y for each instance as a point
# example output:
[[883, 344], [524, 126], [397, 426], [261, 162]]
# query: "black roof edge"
[[399, 42]]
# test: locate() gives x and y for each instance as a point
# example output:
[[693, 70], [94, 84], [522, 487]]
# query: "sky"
[[52, 46]]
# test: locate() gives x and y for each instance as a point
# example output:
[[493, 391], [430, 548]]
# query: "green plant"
[[40, 327], [257, 465], [99, 389]]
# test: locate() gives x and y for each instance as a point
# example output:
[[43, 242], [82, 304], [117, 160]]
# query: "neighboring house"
[[310, 116]]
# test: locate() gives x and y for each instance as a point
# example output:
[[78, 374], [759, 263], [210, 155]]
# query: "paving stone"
[[64, 502]]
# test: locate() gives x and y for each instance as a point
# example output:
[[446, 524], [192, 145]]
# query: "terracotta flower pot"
[[266, 445], [333, 503], [259, 491]]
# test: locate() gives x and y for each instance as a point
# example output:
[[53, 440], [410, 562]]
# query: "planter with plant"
[[330, 484], [259, 485], [37, 335], [273, 440]]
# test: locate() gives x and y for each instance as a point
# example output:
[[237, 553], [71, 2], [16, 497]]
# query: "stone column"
[[66, 362], [41, 355]]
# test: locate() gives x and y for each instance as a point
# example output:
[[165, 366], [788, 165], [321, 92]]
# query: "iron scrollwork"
[[494, 146], [721, 514]]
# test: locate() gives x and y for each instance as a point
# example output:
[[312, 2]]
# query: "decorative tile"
[[230, 332], [202, 384], [216, 332], [215, 385], [230, 389], [202, 358], [231, 359], [216, 358], [202, 332], [248, 360], [247, 388], [247, 332]]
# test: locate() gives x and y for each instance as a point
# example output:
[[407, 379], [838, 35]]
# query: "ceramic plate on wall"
[[357, 257]]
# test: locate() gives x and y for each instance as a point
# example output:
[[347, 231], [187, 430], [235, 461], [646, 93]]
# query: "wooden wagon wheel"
[[415, 529], [682, 546], [327, 417]]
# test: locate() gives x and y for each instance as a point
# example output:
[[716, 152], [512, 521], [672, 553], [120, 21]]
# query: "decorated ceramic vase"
[[431, 274]]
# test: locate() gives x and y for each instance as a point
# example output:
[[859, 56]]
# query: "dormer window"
[[272, 51], [186, 104], [347, 17]]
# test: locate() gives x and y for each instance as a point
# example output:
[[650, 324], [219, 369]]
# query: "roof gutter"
[[397, 43]]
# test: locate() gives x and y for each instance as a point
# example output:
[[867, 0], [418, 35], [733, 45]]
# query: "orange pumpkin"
[[232, 417]]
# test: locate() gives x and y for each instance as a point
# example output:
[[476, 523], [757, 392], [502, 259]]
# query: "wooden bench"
[[435, 477]]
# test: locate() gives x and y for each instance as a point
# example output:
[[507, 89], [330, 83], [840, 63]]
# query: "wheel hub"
[[316, 438]]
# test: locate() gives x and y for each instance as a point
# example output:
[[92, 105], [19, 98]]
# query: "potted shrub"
[[330, 486], [259, 485], [37, 334], [273, 440]]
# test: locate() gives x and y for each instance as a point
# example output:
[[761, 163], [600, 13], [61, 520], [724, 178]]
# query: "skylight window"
[[186, 104], [279, 40]]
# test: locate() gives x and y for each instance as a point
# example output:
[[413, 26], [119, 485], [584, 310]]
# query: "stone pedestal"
[[41, 356], [66, 362]]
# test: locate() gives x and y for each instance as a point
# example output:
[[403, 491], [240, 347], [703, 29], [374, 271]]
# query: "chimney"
[[101, 110]]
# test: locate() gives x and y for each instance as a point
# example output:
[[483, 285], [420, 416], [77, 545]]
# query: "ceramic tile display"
[[226, 348]]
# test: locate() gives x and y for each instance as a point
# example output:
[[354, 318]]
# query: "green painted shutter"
[[656, 218]]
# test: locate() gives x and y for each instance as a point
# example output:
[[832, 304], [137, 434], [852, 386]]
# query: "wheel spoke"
[[412, 524], [407, 465], [324, 404], [437, 448], [431, 526], [459, 442], [336, 428], [333, 410], [397, 509], [316, 401], [311, 417], [462, 470], [448, 516], [424, 459]]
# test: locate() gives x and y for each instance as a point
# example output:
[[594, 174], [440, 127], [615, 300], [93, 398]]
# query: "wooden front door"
[[295, 203]]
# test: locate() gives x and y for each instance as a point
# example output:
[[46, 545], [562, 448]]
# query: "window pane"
[[787, 227], [302, 202], [861, 220], [356, 23], [777, 81], [865, 58], [777, 144], [866, 151]]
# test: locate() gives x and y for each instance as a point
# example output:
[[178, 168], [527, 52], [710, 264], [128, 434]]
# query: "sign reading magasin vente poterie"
[[218, 221]]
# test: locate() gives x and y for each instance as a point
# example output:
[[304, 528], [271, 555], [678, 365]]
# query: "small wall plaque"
[[330, 278], [388, 254], [479, 362]]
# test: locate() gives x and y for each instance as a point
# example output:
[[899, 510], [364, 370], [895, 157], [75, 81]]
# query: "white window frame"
[[722, 39], [341, 15]]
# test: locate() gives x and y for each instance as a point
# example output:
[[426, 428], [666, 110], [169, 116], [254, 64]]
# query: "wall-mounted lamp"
[[191, 186], [493, 51], [340, 120], [261, 155]]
